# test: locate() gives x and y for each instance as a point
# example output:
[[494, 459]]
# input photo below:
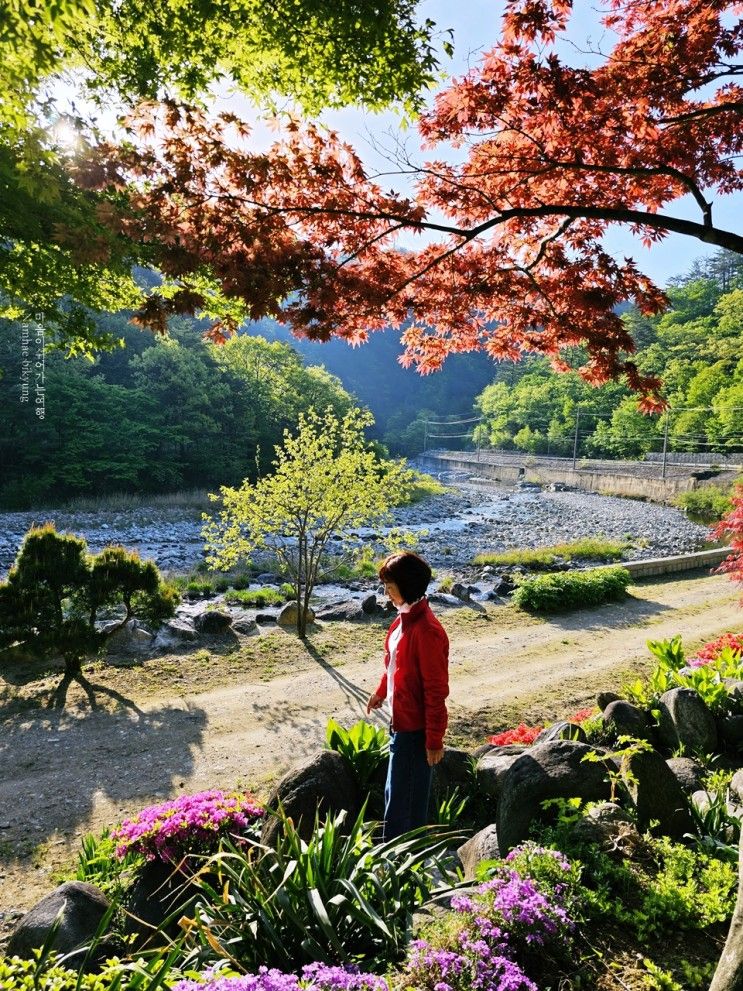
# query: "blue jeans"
[[408, 783]]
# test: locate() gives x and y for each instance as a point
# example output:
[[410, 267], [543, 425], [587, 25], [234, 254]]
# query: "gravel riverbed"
[[473, 516]]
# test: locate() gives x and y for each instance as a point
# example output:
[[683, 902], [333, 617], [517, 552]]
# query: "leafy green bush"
[[572, 590], [364, 746], [586, 549], [664, 888], [672, 671], [708, 504], [337, 898], [99, 865], [256, 597]]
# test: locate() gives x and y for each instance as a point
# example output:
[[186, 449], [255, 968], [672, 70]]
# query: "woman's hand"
[[374, 702], [434, 756]]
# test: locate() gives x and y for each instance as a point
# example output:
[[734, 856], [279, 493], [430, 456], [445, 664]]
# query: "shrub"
[[708, 504], [99, 864], [665, 887], [55, 590], [49, 973], [490, 937], [572, 590], [706, 677], [423, 486], [364, 746], [336, 898], [189, 824], [586, 549]]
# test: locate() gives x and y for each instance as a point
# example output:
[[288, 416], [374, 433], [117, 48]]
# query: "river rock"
[[688, 772], [287, 615], [212, 622], [461, 591], [324, 784], [350, 610], [82, 906], [554, 769], [131, 638], [624, 719], [656, 793], [492, 766], [686, 721], [482, 846], [179, 629], [370, 605]]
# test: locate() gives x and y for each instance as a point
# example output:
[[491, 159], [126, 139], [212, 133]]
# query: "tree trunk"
[[729, 973]]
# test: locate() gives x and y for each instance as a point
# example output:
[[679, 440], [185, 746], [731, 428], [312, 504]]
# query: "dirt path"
[[65, 774]]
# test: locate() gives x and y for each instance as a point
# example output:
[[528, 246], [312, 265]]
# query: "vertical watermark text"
[[33, 365]]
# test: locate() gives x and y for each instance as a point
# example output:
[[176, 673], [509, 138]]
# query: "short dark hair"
[[409, 572]]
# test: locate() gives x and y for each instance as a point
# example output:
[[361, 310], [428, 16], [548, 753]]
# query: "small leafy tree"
[[55, 590], [325, 483], [730, 528]]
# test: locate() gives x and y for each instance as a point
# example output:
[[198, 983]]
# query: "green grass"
[[586, 549], [256, 597], [423, 487]]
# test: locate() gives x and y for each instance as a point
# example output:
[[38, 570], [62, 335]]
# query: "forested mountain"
[[400, 398], [159, 415], [696, 348]]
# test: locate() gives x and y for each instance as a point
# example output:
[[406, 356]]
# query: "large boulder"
[[131, 638], [689, 773], [606, 698], [492, 767], [482, 846], [622, 718], [350, 610], [686, 721], [212, 622], [656, 794], [287, 615], [454, 771], [730, 729], [81, 907], [323, 784], [370, 605], [554, 769], [736, 786], [161, 891]]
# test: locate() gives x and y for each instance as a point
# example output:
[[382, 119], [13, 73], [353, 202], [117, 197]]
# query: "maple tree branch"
[[719, 108]]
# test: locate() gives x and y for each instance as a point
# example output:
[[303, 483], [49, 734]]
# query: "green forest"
[[695, 348], [163, 414]]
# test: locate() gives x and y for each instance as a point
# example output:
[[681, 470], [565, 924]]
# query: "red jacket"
[[421, 674]]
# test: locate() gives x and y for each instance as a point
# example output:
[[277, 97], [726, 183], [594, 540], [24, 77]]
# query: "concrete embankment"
[[638, 480]]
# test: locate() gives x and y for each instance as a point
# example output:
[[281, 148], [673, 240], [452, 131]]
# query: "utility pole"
[[665, 445], [425, 436], [575, 442]]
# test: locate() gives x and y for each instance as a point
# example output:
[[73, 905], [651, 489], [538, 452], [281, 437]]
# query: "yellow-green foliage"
[[423, 486], [587, 549], [709, 504]]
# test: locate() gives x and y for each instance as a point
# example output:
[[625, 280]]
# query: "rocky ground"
[[474, 516]]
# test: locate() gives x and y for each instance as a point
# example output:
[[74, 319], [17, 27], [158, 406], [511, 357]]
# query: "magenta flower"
[[188, 824]]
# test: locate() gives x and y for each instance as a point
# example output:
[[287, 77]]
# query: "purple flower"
[[315, 976]]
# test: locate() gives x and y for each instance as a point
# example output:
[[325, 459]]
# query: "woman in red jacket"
[[416, 682]]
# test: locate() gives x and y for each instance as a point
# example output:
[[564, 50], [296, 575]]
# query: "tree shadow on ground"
[[55, 766], [609, 616]]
